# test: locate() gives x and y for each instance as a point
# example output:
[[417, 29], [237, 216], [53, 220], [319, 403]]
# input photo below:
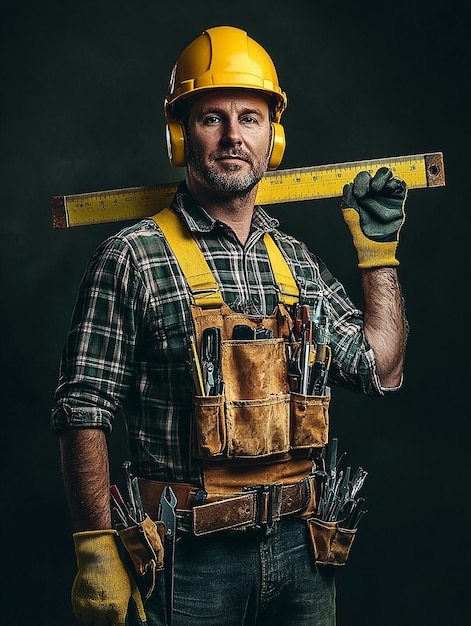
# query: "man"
[[240, 449]]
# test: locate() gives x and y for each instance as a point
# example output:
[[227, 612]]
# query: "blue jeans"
[[247, 579]]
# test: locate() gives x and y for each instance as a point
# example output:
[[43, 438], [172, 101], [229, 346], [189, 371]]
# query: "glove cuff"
[[93, 533], [91, 544], [370, 253]]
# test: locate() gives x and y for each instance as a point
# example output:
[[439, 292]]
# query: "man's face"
[[228, 141]]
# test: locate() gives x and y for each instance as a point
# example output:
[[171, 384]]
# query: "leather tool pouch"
[[330, 542], [309, 421], [144, 543], [258, 416]]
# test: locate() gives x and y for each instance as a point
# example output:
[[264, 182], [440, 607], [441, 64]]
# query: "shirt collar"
[[198, 220]]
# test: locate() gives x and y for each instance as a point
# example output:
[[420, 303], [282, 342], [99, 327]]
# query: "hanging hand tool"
[[168, 502], [321, 364], [357, 481], [294, 370], [308, 366], [320, 367], [306, 345], [211, 364], [356, 514], [127, 510], [195, 365], [337, 492], [119, 510], [131, 487], [321, 481]]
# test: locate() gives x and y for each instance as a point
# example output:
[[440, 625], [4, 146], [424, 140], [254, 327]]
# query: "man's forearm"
[[85, 468], [385, 322]]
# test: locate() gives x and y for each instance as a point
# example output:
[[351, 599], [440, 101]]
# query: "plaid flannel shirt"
[[129, 337]]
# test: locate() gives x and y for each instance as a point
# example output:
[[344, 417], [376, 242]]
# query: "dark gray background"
[[82, 86]]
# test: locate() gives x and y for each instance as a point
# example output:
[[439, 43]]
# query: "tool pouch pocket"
[[241, 428], [252, 418], [210, 426], [258, 428], [309, 421], [144, 543], [330, 542]]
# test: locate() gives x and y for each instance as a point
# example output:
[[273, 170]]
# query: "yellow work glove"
[[373, 208], [103, 587]]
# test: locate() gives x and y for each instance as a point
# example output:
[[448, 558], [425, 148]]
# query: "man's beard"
[[231, 180]]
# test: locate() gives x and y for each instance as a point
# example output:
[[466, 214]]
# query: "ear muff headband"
[[175, 133]]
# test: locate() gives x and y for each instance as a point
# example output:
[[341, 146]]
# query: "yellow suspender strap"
[[204, 289], [288, 289]]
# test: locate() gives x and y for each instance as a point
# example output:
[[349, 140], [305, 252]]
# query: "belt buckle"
[[267, 503]]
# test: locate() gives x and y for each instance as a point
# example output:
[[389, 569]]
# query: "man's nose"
[[231, 135]]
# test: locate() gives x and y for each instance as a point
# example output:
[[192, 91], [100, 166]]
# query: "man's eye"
[[211, 119], [249, 119]]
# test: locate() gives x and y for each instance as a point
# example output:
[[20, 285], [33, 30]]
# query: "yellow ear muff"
[[175, 134], [278, 145]]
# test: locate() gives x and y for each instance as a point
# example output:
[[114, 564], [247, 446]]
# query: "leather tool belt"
[[257, 507]]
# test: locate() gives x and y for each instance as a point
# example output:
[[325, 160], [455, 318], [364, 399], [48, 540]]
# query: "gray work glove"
[[373, 208]]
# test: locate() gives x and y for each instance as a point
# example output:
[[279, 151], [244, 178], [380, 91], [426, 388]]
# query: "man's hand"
[[103, 587], [373, 208]]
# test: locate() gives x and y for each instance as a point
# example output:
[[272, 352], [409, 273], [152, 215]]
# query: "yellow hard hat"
[[223, 57]]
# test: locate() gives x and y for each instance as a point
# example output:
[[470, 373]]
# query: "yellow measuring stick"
[[307, 183]]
